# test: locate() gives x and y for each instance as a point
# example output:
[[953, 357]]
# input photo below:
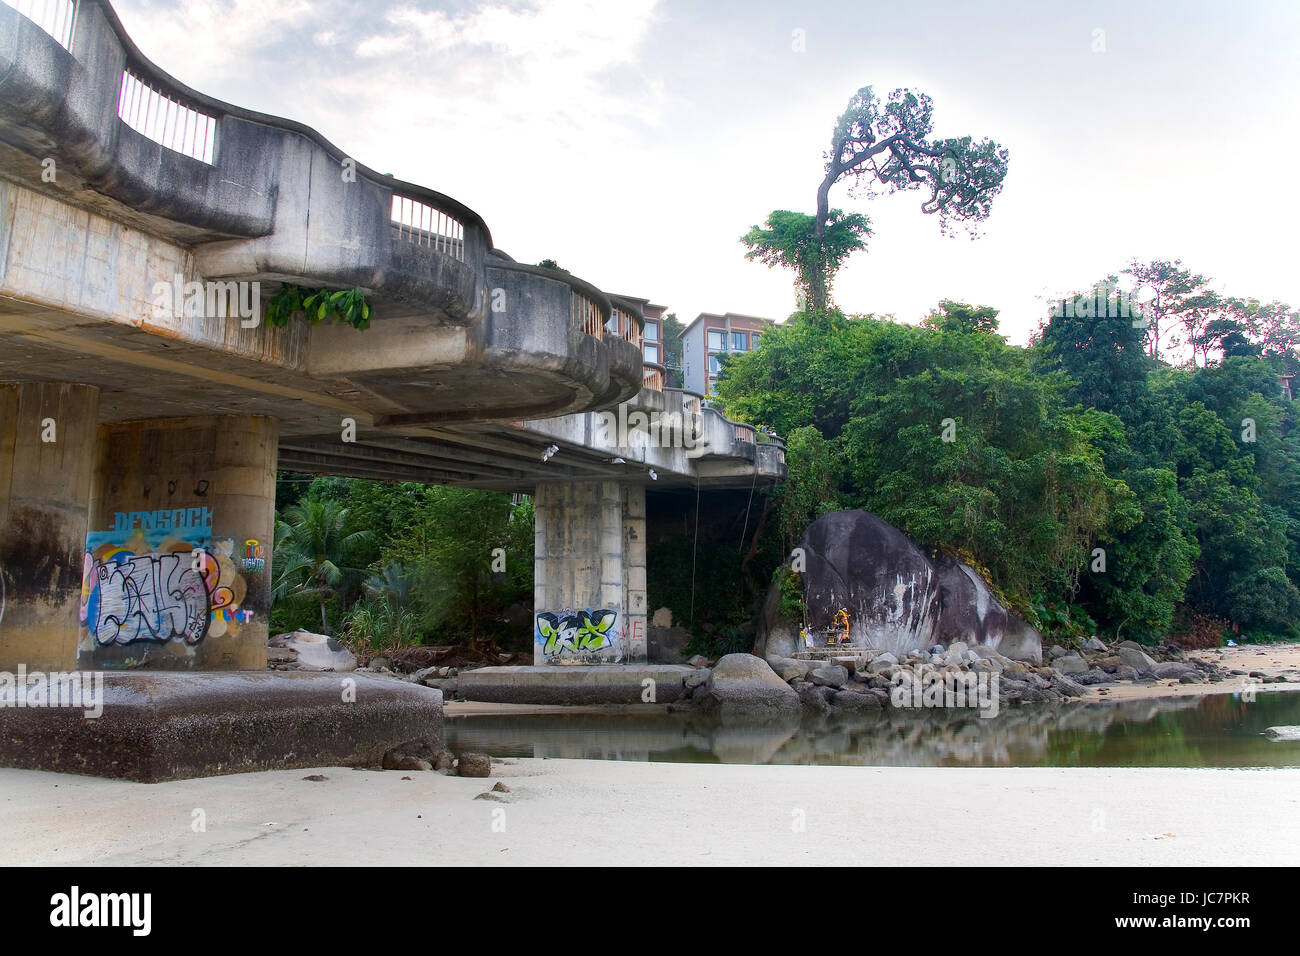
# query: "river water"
[[1217, 730]]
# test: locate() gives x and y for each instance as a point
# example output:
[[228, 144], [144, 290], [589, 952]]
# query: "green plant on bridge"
[[343, 305]]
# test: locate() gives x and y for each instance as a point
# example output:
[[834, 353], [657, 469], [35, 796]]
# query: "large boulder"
[[856, 561], [968, 610], [744, 685], [1131, 653], [667, 645], [777, 636], [1021, 640], [316, 652]]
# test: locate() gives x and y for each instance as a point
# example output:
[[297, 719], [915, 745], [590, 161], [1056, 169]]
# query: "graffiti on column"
[[576, 634], [161, 576]]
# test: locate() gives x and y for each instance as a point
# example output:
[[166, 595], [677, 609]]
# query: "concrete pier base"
[[576, 684], [173, 725]]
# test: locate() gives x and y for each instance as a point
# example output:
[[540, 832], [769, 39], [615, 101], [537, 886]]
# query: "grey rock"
[[811, 699], [855, 560], [1021, 641], [1070, 664], [829, 675], [969, 611], [745, 684], [1173, 670], [1095, 644], [1283, 733], [852, 702], [788, 669], [1133, 655], [474, 765], [1069, 688]]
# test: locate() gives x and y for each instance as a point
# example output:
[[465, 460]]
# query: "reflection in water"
[[1218, 730]]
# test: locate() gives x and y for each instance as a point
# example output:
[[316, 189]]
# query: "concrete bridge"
[[145, 403]]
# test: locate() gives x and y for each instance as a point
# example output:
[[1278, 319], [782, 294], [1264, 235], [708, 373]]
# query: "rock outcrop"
[[744, 685], [1021, 640], [969, 611], [856, 561]]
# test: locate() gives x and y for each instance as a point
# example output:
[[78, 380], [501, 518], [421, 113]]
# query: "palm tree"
[[315, 554]]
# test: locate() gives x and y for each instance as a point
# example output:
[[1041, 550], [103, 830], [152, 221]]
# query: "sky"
[[634, 141]]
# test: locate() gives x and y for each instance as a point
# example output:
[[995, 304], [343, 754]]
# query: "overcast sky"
[[634, 141]]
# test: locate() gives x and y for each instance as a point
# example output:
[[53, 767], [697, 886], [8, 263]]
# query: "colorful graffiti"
[[160, 576], [254, 557], [579, 633]]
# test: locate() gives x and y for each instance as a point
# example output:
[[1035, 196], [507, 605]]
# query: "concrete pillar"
[[589, 573], [47, 446], [178, 567]]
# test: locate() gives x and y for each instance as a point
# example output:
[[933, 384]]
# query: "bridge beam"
[[47, 458], [589, 563]]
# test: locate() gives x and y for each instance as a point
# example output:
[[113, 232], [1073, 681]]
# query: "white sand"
[[605, 812]]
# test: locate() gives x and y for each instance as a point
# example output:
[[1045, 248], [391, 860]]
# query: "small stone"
[[444, 761], [489, 795], [474, 765], [500, 787], [315, 777]]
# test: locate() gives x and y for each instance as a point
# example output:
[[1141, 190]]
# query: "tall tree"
[[888, 147]]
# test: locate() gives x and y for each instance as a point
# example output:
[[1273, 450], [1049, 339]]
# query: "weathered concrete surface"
[[575, 684], [169, 726], [212, 479], [47, 444], [589, 564]]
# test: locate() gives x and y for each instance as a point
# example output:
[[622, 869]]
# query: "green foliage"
[[315, 559], [789, 239], [421, 571], [792, 606], [317, 305], [1102, 490]]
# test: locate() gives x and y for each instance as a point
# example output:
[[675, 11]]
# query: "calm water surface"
[[1219, 730]]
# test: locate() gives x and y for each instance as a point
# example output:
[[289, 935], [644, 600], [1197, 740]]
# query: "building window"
[[716, 340], [715, 365], [738, 342], [652, 331], [753, 340], [652, 354]]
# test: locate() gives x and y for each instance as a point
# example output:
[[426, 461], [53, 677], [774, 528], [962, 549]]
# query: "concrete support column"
[[589, 573], [47, 446], [178, 556]]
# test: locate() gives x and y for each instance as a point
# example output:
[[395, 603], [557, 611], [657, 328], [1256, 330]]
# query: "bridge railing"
[[652, 376], [55, 17], [585, 314], [166, 120], [426, 225], [744, 433], [626, 324], [222, 166]]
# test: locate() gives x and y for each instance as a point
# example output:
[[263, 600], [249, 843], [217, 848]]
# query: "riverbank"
[[1269, 660], [561, 812]]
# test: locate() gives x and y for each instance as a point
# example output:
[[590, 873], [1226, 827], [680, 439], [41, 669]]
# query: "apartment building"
[[652, 350], [709, 338]]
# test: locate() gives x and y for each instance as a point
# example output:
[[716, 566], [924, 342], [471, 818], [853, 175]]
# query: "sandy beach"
[[624, 813], [1268, 659]]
